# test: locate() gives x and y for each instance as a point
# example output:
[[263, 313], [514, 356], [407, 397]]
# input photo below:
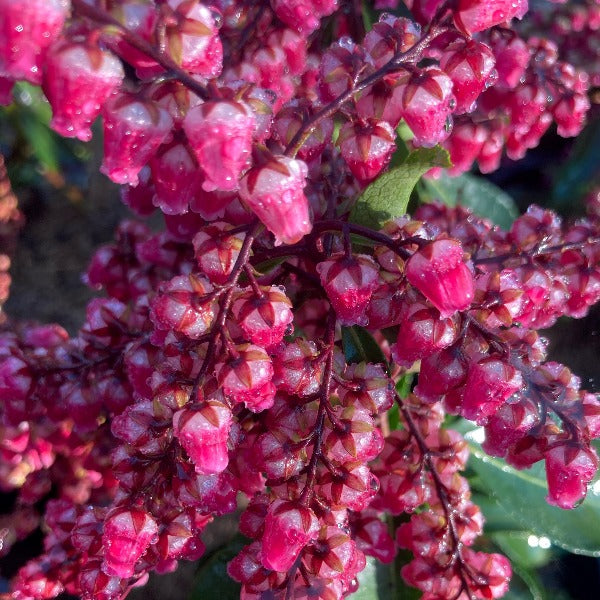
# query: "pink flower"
[[439, 272], [288, 528], [569, 469], [275, 192], [477, 15]]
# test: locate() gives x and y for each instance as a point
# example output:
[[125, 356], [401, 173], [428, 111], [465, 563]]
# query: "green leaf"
[[383, 582], [387, 197], [525, 585], [480, 195], [360, 346], [522, 494], [404, 385], [212, 581], [515, 544]]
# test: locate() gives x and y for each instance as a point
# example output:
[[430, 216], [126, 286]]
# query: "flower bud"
[[439, 272]]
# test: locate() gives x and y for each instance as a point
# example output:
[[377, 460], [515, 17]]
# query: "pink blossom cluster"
[[214, 366]]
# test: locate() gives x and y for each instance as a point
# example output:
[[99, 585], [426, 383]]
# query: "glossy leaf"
[[387, 197], [212, 581], [360, 346], [522, 494], [481, 196]]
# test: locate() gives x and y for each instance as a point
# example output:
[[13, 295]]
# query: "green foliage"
[[387, 197], [360, 346], [522, 494], [212, 581], [481, 196]]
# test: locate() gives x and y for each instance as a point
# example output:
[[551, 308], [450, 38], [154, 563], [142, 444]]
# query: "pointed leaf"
[[480, 195], [387, 197]]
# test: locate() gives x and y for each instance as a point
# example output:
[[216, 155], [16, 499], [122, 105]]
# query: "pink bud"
[[569, 470], [217, 251], [428, 102], [177, 178], [303, 15], [275, 193], [220, 134], [203, 433], [246, 377], [78, 80], [472, 16], [349, 284], [289, 527], [439, 272], [127, 536], [367, 147], [193, 38], [470, 65], [264, 320], [184, 304], [490, 383], [133, 131], [27, 29]]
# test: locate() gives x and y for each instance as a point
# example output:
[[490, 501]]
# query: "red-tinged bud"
[[569, 470], [203, 433], [339, 66], [569, 113], [372, 536], [275, 193], [141, 19], [390, 36], [492, 573], [428, 102], [78, 79], [133, 131], [289, 527], [139, 198], [472, 16], [367, 146], [303, 15], [512, 57], [470, 65], [368, 386], [439, 272], [297, 368], [490, 383], [216, 251], [177, 178], [127, 535], [349, 283], [184, 304], [220, 134], [265, 319], [291, 118], [422, 333], [295, 47], [591, 412], [508, 425], [465, 145], [246, 377], [27, 29], [193, 38]]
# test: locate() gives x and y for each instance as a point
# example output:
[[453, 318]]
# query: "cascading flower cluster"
[[213, 366]]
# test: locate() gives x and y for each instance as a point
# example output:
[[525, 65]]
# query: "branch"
[[83, 9]]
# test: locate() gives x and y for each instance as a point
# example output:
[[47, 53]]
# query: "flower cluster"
[[216, 365]]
